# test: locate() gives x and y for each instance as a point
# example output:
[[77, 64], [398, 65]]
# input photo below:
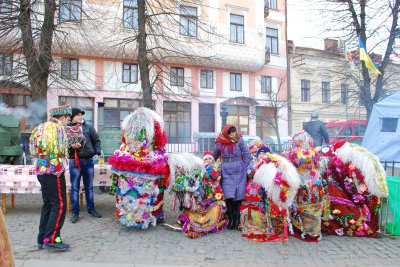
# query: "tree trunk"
[[142, 58], [38, 57]]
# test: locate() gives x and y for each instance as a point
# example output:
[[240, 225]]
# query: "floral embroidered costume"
[[141, 172], [306, 210], [48, 144], [209, 216], [355, 179]]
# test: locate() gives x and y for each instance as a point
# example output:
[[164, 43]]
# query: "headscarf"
[[226, 141]]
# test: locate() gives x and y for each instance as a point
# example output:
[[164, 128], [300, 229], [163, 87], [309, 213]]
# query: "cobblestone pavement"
[[104, 241]]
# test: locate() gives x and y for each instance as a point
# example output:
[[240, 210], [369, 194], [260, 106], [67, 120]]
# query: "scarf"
[[226, 141]]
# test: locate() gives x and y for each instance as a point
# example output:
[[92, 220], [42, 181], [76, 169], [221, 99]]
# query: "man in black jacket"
[[316, 129], [81, 164]]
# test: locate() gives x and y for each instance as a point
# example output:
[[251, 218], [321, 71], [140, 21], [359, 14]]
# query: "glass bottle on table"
[[101, 159]]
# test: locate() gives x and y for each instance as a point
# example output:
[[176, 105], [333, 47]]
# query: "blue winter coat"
[[233, 169]]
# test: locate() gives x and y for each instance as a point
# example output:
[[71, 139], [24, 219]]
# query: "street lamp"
[[224, 114]]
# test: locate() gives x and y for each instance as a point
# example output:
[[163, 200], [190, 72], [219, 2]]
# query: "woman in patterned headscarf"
[[235, 156]]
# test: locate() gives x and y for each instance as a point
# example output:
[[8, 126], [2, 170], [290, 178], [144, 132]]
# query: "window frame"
[[118, 110], [6, 7], [265, 80], [273, 4], [190, 19], [174, 78], [3, 59], [209, 84], [235, 75], [326, 92], [69, 4], [130, 24], [130, 72], [270, 40], [237, 27], [69, 70], [305, 90], [235, 112], [179, 111]]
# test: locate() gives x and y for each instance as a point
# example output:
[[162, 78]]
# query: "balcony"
[[266, 8], [267, 55]]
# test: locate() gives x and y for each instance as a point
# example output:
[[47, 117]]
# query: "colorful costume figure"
[[48, 144], [141, 172], [268, 195], [235, 157], [355, 179], [209, 216], [306, 210]]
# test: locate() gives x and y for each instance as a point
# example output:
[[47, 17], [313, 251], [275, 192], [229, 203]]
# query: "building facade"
[[96, 69]]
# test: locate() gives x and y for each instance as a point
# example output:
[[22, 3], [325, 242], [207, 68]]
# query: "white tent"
[[382, 136]]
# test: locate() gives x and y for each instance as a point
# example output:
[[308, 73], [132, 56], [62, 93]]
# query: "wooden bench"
[[21, 179]]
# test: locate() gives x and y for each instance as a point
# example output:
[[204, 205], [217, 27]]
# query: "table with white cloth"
[[21, 179]]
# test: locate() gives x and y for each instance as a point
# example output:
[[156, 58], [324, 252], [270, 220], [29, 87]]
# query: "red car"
[[351, 130]]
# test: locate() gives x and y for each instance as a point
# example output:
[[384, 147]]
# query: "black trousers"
[[54, 207]]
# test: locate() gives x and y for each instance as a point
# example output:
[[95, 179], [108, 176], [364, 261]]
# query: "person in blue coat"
[[235, 157]]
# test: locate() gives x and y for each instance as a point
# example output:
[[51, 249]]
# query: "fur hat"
[[76, 111], [61, 111], [207, 155]]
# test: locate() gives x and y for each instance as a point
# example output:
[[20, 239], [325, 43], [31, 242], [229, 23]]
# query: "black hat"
[[76, 111], [264, 149]]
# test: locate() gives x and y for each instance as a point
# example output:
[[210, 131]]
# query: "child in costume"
[[209, 216], [306, 211], [355, 179]]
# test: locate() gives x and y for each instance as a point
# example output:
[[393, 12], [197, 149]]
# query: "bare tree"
[[373, 20], [277, 100]]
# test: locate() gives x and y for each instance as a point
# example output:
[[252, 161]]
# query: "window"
[[6, 61], [69, 68], [115, 111], [305, 90], [206, 79], [177, 122], [239, 116], [389, 125], [84, 103], [129, 73], [264, 119], [177, 77], [272, 4], [360, 129], [14, 100], [188, 21], [266, 84], [344, 93], [5, 6], [70, 10], [237, 29], [206, 118], [326, 92], [272, 41], [131, 14], [347, 131], [236, 82]]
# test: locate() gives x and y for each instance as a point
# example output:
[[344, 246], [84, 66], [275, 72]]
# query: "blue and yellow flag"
[[367, 60]]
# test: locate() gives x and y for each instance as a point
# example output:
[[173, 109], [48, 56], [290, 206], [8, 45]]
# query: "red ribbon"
[[77, 161]]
